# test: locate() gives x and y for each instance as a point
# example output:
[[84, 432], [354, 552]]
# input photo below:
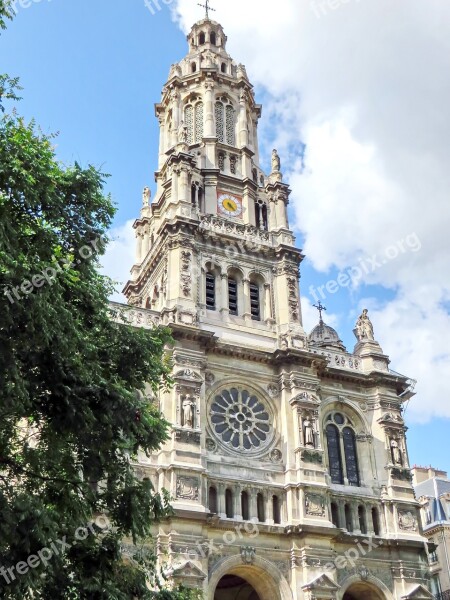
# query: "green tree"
[[72, 380]]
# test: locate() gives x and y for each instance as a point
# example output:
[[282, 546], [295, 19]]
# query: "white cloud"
[[119, 256], [366, 88]]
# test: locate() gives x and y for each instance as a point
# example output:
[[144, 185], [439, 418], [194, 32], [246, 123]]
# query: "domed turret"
[[324, 336]]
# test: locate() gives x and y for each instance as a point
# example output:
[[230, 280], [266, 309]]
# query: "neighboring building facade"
[[432, 489], [288, 462]]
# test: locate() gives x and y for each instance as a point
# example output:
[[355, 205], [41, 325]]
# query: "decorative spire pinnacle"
[[207, 8], [320, 308]]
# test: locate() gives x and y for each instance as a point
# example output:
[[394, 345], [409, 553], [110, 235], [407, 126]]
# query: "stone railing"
[[140, 317], [342, 361], [242, 231]]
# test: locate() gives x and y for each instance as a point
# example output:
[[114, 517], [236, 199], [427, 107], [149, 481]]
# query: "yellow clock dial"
[[229, 205]]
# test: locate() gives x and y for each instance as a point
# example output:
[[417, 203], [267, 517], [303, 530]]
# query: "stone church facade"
[[287, 462]]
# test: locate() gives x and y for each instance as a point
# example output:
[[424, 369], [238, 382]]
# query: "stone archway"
[[232, 587], [260, 580], [364, 590]]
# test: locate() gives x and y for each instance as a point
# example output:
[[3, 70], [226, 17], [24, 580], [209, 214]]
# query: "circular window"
[[240, 420], [339, 419]]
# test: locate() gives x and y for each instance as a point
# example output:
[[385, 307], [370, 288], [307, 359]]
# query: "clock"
[[229, 205]]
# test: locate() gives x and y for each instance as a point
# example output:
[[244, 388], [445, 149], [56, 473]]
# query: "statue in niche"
[[308, 433], [276, 163], [146, 195], [182, 133], [188, 407], [396, 453], [364, 327]]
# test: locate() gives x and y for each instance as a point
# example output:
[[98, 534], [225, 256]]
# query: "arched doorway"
[[233, 587], [363, 591]]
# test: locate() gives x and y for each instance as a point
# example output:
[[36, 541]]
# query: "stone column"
[[281, 214], [253, 508], [243, 131], [139, 240], [237, 503], [341, 512], [355, 517], [175, 117], [162, 149], [174, 188], [221, 500], [224, 309], [247, 306], [272, 207], [209, 110], [269, 508], [268, 302]]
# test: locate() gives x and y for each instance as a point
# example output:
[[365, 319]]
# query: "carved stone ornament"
[[273, 390], [315, 505], [211, 445], [407, 521], [312, 457], [210, 378], [248, 554], [187, 488], [187, 437], [276, 455]]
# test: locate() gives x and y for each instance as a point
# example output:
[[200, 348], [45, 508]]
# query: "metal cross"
[[320, 308], [207, 8]]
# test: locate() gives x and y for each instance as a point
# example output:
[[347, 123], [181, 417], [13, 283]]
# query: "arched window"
[[232, 296], [342, 451], [255, 306], [213, 39], [362, 519], [375, 521], [194, 195], [200, 199], [189, 122], [231, 141], [220, 120], [244, 506], [260, 508], [261, 215], [198, 122], [334, 454], [210, 291], [229, 511], [223, 67], [351, 461], [348, 518], [202, 38], [276, 510], [212, 502], [335, 514], [193, 67]]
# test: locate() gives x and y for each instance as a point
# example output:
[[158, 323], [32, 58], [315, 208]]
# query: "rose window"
[[240, 420]]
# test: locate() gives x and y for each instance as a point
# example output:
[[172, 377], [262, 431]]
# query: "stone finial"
[[364, 328], [146, 195]]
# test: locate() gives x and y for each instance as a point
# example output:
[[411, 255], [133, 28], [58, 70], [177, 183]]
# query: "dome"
[[325, 336]]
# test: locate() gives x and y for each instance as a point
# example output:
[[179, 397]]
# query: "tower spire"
[[207, 8]]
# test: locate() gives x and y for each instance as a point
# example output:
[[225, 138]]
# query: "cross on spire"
[[320, 307], [207, 8]]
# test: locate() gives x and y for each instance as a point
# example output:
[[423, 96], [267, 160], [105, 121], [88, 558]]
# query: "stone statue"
[[396, 453], [182, 133], [188, 412], [276, 163], [308, 433], [364, 327], [146, 195]]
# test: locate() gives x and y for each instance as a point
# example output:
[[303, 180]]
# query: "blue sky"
[[92, 71]]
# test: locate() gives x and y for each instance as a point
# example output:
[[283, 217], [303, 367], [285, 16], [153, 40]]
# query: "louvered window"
[[232, 296], [210, 291], [254, 302]]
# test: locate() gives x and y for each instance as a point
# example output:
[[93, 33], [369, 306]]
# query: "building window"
[[362, 519], [189, 122], [230, 125], [261, 215], [202, 38], [220, 122], [198, 122], [276, 510], [223, 68], [193, 119], [210, 291], [213, 39], [229, 504], [244, 506], [212, 502], [193, 67], [240, 420], [348, 518], [351, 461], [334, 514], [341, 443], [232, 296], [255, 307], [334, 454], [260, 508], [375, 521]]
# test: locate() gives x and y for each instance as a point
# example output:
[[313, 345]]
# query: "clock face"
[[229, 205]]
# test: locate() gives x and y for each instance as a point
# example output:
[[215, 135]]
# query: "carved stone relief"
[[187, 488], [315, 505]]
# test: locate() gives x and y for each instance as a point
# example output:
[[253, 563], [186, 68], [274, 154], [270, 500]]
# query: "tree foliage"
[[73, 409]]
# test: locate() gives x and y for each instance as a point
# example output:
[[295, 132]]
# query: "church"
[[287, 462]]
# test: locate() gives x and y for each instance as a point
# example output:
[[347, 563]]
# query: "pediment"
[[188, 571], [418, 593], [305, 399], [392, 419], [322, 583], [188, 374]]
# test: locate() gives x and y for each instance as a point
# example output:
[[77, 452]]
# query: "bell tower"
[[287, 459], [214, 247]]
